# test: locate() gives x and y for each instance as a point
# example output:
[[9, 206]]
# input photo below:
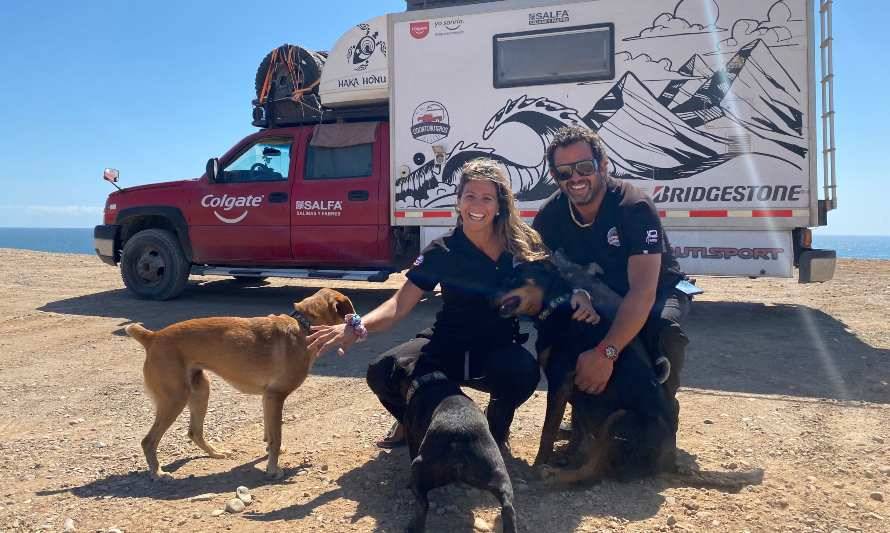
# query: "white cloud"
[[647, 68], [684, 19], [774, 30], [73, 210]]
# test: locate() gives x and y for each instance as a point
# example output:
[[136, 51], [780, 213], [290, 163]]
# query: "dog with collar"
[[624, 432], [449, 441], [267, 356]]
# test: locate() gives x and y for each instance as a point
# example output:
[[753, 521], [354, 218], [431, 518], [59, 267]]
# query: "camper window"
[[559, 55], [334, 163]]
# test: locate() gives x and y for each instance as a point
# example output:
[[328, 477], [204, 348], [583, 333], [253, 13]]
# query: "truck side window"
[[267, 160], [539, 57], [333, 163]]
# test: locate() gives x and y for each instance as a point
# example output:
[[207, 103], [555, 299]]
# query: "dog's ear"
[[549, 266], [342, 305]]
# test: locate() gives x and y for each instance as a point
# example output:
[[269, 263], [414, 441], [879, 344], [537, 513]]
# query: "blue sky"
[[155, 88]]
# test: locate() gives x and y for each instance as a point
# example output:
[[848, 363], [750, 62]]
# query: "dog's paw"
[[274, 474], [220, 454], [160, 475]]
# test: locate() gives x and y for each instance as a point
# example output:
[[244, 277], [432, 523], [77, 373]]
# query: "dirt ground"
[[791, 378]]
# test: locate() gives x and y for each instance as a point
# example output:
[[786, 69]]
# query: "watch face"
[[611, 352]]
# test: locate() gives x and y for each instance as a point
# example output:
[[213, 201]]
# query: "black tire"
[[282, 86], [153, 265]]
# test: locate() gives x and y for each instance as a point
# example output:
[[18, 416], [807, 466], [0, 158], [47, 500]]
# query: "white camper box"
[[708, 105]]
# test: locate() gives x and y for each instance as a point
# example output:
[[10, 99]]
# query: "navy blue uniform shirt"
[[469, 280], [627, 224]]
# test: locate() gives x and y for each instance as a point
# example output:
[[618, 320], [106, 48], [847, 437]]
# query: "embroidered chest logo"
[[419, 260], [612, 237], [651, 236]]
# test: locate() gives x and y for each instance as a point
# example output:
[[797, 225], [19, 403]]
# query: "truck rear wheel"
[[153, 265]]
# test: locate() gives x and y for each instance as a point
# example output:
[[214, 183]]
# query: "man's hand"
[[324, 338], [584, 311], [592, 371]]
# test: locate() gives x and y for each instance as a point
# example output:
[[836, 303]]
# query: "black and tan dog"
[[624, 432], [449, 441], [263, 355]]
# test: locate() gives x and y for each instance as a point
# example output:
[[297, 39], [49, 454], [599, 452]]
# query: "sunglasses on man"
[[585, 167]]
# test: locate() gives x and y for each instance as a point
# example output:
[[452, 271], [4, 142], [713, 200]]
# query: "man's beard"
[[593, 190]]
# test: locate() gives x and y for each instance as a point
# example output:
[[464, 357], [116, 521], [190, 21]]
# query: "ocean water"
[[59, 240], [80, 241], [855, 246]]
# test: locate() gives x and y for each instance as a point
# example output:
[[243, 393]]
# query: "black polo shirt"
[[469, 280], [627, 224]]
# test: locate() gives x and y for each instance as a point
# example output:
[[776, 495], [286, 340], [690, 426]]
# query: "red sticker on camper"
[[419, 30]]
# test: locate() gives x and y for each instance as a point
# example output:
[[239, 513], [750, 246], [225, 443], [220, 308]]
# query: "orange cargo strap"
[[267, 82]]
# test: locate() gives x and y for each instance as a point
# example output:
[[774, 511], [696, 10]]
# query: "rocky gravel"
[[786, 377]]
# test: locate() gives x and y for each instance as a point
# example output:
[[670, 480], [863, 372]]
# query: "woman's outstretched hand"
[[323, 338], [584, 311]]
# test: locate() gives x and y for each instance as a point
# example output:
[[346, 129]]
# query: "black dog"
[[624, 432], [630, 417], [448, 441]]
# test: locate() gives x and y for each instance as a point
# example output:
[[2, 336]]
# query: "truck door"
[[337, 200], [244, 216]]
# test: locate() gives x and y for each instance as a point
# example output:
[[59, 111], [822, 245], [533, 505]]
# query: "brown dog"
[[264, 355]]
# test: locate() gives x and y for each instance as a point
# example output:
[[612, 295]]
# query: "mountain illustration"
[[645, 139], [695, 69], [755, 91]]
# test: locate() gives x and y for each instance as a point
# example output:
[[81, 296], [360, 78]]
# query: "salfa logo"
[[319, 208], [429, 123], [419, 30], [360, 53], [548, 17]]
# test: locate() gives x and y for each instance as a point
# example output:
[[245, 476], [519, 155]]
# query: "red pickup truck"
[[274, 204]]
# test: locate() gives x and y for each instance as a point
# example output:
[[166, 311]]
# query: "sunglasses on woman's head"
[[583, 168]]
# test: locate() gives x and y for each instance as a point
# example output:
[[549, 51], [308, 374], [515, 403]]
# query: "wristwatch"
[[610, 352]]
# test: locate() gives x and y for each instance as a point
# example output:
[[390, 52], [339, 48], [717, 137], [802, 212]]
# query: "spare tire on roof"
[[307, 65]]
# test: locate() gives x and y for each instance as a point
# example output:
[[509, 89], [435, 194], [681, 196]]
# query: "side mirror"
[[212, 169], [111, 174]]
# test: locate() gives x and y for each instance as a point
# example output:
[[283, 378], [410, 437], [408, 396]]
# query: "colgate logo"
[[227, 203], [419, 30]]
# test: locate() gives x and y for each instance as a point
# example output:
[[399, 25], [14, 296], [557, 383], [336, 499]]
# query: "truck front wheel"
[[153, 265]]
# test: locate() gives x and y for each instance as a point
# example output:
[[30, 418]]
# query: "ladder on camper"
[[829, 178]]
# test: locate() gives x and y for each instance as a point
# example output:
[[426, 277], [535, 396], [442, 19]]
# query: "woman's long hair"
[[517, 237]]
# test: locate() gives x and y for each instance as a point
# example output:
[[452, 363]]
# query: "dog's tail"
[[717, 479], [141, 334]]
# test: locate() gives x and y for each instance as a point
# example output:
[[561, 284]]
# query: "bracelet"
[[582, 291], [354, 322]]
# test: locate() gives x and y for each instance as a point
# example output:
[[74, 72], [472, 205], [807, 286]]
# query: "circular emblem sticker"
[[429, 122]]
